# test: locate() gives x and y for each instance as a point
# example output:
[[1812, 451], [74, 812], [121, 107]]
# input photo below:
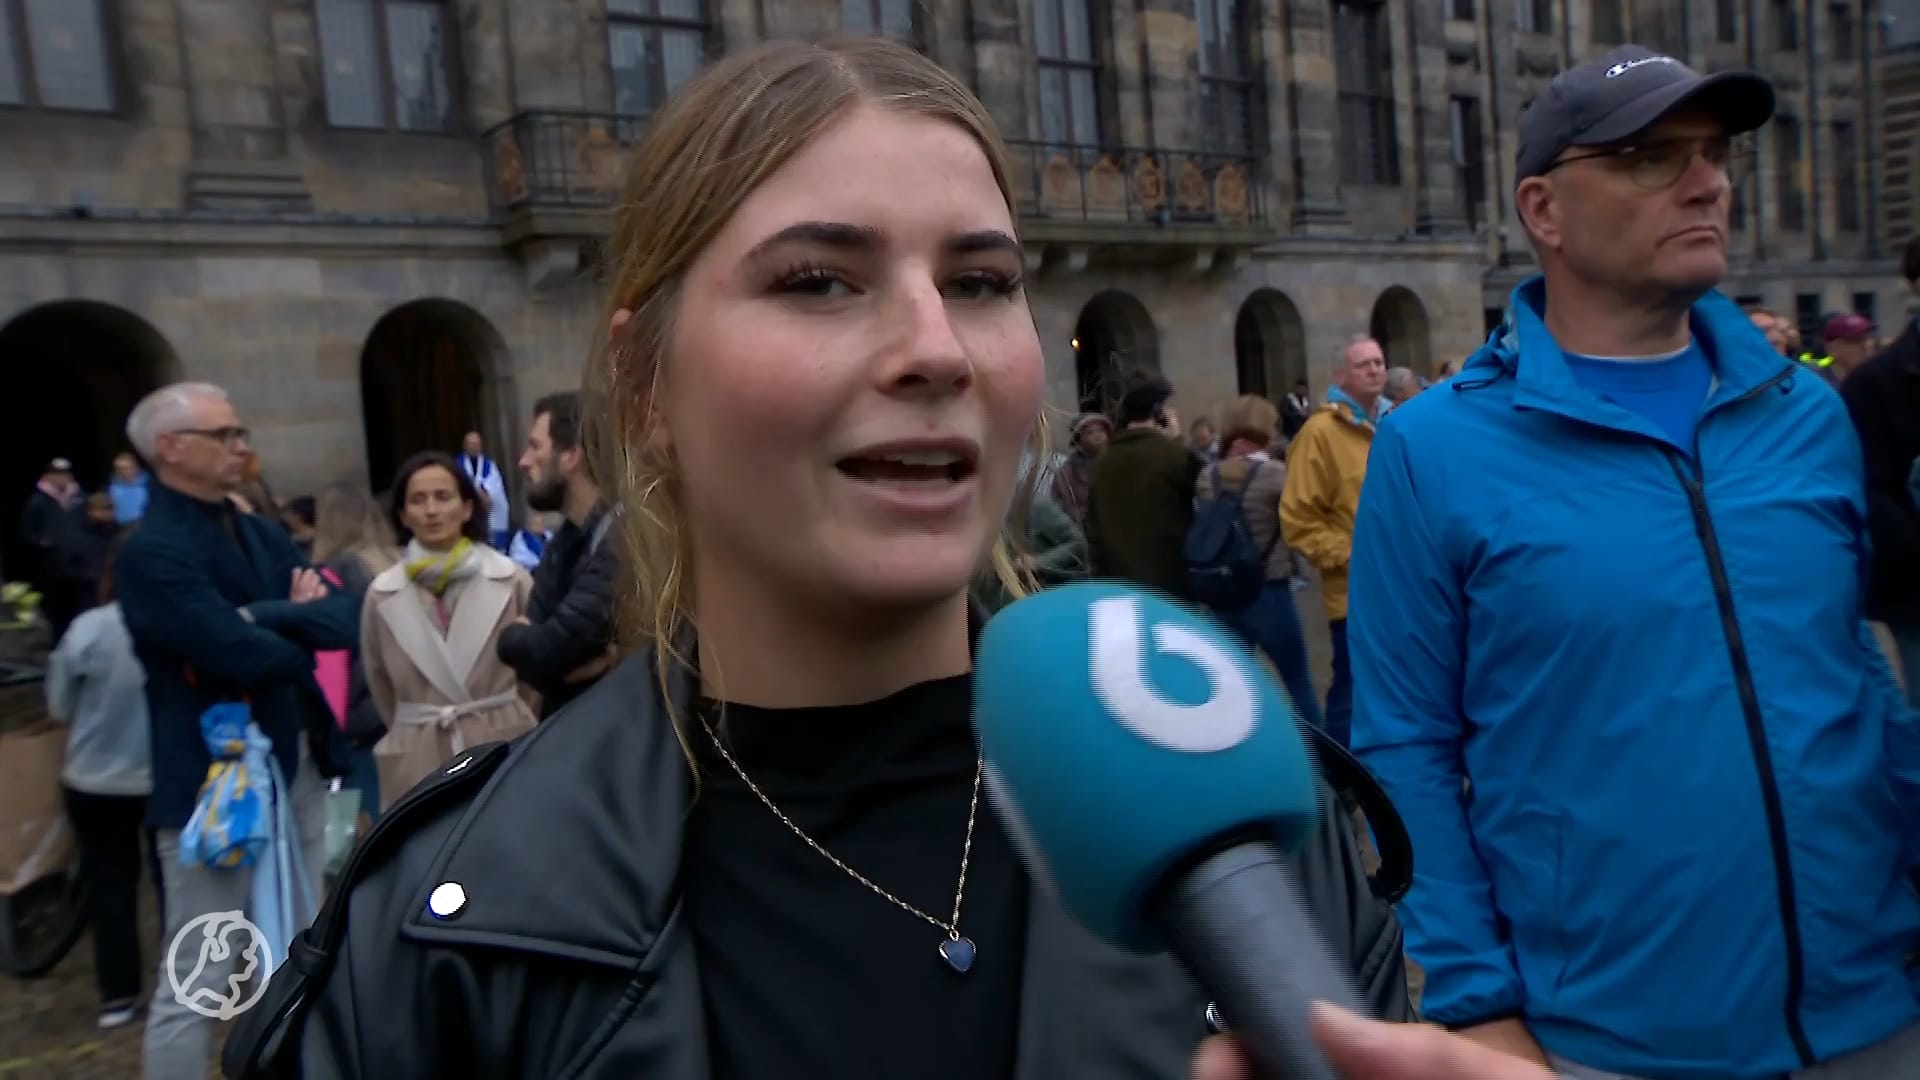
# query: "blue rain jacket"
[[1694, 786]]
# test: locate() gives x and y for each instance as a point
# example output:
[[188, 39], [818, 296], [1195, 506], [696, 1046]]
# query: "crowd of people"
[[373, 638], [1597, 599]]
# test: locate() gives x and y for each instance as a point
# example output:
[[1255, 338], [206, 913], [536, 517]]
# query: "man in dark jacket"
[[1141, 500], [221, 608], [44, 522], [1883, 397], [563, 643]]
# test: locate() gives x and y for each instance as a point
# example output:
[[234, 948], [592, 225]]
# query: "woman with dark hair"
[[429, 627]]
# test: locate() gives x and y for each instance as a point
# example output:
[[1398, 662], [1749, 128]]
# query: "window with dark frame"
[[1469, 159], [1227, 82], [653, 47], [56, 55], [1063, 45], [1786, 25], [1726, 20], [1807, 317], [1786, 173], [1606, 25], [896, 19], [1841, 30], [1363, 70], [1462, 10], [387, 64], [1867, 304], [1846, 177], [1533, 16]]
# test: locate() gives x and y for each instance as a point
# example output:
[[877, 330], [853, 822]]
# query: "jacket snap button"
[[447, 900]]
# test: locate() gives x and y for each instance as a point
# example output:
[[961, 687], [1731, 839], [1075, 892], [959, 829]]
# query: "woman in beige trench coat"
[[429, 626]]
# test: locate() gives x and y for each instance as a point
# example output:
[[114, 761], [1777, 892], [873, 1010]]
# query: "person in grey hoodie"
[[96, 686]]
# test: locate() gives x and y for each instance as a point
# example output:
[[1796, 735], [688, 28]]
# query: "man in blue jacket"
[[221, 607], [1608, 644]]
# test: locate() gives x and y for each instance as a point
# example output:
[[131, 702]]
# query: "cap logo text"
[[1625, 66]]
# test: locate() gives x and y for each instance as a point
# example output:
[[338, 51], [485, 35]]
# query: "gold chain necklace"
[[957, 950]]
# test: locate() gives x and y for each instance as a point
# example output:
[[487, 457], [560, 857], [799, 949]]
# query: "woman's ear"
[[658, 440]]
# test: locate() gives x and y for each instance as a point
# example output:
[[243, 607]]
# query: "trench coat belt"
[[446, 716]]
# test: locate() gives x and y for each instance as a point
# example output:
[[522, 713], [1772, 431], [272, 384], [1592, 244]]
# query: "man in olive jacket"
[[1141, 500]]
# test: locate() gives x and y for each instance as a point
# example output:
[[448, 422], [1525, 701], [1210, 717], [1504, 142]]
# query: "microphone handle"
[[1237, 921]]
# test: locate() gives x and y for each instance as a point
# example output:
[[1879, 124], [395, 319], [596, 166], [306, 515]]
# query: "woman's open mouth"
[[923, 467], [918, 478]]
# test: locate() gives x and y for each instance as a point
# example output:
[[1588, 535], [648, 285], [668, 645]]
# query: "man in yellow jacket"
[[1325, 464]]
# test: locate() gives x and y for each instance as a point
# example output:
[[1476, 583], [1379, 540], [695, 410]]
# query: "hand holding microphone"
[[1380, 1051], [1152, 776]]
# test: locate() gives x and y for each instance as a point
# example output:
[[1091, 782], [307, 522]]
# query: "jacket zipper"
[[1694, 484]]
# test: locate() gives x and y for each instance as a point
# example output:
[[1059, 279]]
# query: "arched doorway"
[[1114, 337], [1400, 326], [428, 375], [1269, 344], [73, 370]]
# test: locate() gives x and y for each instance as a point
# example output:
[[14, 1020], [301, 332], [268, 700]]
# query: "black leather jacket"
[[571, 956]]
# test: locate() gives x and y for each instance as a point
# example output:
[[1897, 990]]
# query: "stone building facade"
[[375, 221]]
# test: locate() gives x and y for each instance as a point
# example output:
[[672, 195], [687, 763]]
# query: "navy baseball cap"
[[1625, 92]]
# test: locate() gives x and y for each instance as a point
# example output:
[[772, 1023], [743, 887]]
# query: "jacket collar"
[[1524, 350], [1342, 403], [166, 496]]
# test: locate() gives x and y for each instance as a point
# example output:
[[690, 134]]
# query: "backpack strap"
[[1245, 485], [600, 530], [265, 1042], [1266, 553], [1347, 776]]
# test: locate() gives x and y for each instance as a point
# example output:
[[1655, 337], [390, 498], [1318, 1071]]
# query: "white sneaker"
[[114, 1016]]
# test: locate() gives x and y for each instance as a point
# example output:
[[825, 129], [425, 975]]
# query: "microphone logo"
[[1118, 668]]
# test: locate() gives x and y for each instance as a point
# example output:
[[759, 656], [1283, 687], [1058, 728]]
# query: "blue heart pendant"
[[958, 953]]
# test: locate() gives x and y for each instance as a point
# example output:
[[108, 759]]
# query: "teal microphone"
[[1152, 774]]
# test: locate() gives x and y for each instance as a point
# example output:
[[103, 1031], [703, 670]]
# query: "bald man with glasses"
[[1608, 643]]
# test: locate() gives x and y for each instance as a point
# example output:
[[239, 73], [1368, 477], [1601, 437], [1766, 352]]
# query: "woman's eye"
[[981, 286], [813, 281]]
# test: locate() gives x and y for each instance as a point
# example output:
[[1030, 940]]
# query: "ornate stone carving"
[[1230, 194], [510, 167], [599, 156], [1190, 190], [1106, 188], [1060, 184], [1149, 187]]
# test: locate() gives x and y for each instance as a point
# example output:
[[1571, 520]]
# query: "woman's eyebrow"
[[973, 243], [850, 237], [832, 234]]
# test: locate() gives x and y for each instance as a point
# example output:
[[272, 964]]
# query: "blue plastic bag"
[[243, 819], [232, 820]]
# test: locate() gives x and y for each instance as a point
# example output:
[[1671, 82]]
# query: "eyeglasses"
[[229, 437], [1658, 164]]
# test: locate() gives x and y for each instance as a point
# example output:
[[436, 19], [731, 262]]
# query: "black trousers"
[[109, 829]]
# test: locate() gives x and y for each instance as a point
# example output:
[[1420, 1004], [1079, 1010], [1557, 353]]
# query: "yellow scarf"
[[434, 571]]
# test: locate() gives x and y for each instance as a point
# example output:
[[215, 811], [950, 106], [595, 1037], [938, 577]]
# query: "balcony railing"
[[564, 160], [1148, 187], [575, 160]]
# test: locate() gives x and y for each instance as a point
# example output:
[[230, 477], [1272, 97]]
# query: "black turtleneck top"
[[808, 973]]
